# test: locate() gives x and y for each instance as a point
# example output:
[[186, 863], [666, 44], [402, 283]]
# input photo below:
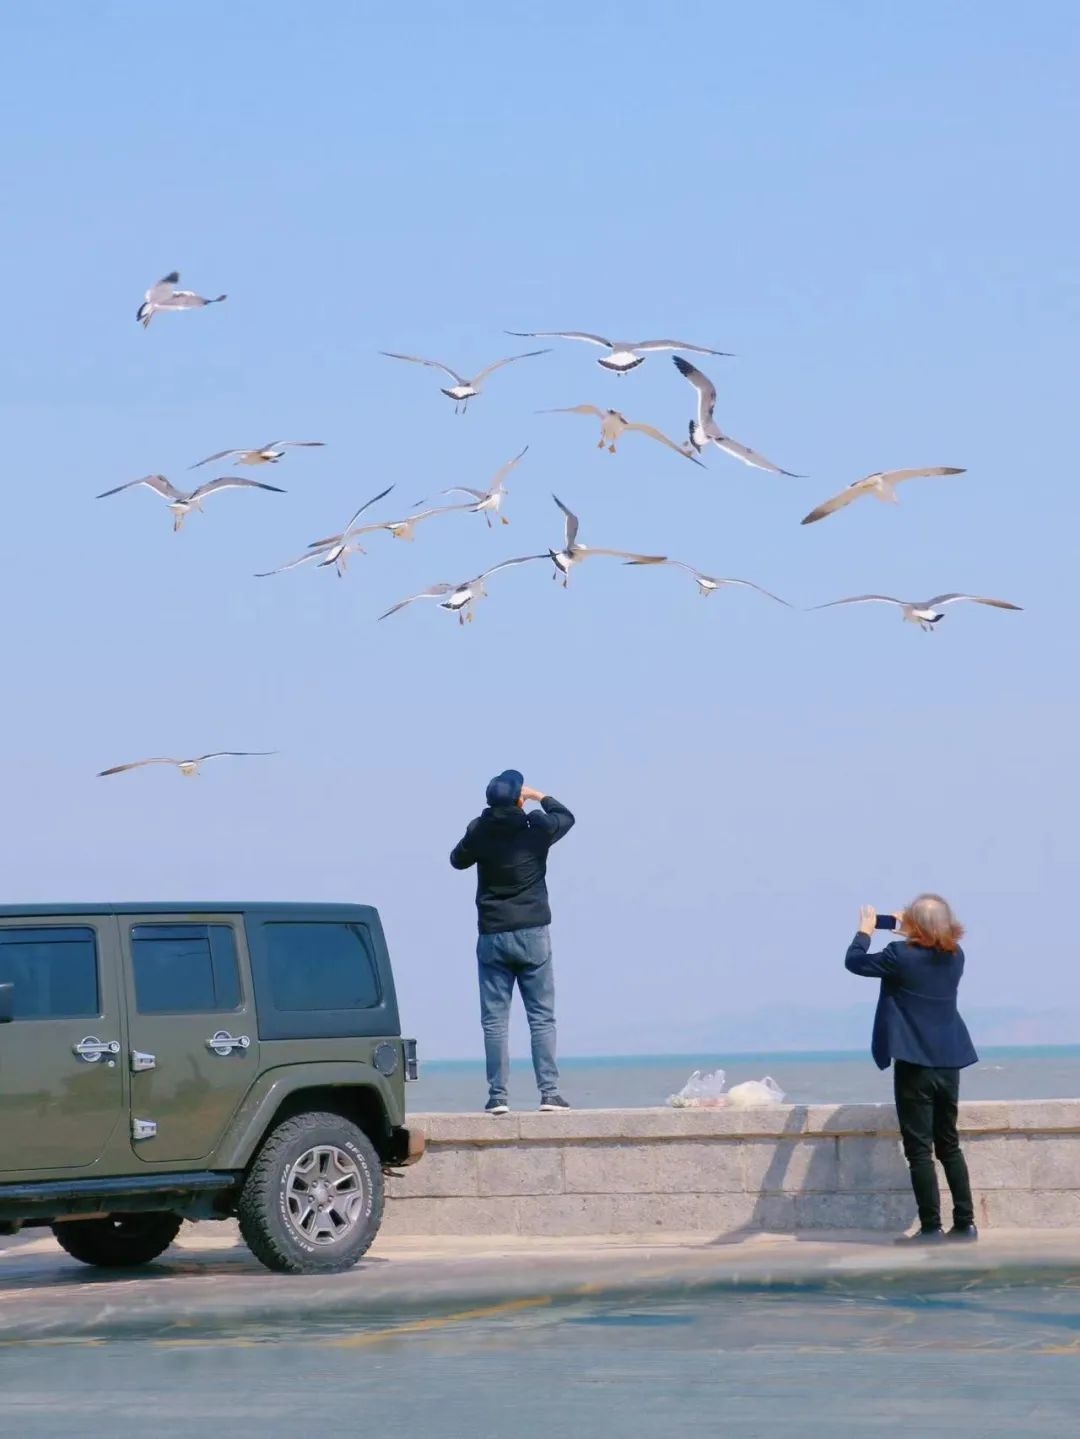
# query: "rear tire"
[[312, 1201], [118, 1241]]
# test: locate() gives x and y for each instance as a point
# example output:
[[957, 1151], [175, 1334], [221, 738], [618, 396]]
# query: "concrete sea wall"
[[786, 1170]]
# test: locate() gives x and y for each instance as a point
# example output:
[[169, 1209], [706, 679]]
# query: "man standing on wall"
[[509, 846]]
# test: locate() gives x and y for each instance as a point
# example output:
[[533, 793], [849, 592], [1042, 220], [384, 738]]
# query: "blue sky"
[[873, 206]]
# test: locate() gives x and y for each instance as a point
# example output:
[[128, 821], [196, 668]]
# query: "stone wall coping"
[[782, 1121]]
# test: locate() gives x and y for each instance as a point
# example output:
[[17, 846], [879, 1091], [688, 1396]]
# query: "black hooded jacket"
[[509, 848]]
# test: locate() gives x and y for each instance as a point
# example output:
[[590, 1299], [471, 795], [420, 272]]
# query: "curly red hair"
[[929, 921]]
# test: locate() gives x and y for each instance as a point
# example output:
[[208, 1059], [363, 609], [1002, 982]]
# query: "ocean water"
[[641, 1081]]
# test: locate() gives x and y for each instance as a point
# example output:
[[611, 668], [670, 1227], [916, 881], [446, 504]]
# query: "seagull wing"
[[509, 360], [135, 764], [646, 345], [498, 481], [627, 555], [434, 592], [845, 497], [294, 445], [232, 482], [750, 585], [164, 287], [859, 600], [505, 564], [679, 564], [456, 490], [894, 477], [563, 335], [572, 523], [656, 434], [434, 364], [234, 754], [749, 456], [704, 386], [366, 506], [315, 553], [221, 455], [158, 483], [435, 510], [976, 599], [575, 410]]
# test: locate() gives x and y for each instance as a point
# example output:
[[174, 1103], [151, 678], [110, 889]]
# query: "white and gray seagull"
[[264, 455], [189, 767], [489, 501], [335, 550], [165, 296], [882, 485], [463, 389], [924, 613], [182, 502], [625, 354], [705, 428], [709, 584], [459, 599], [613, 425], [573, 552]]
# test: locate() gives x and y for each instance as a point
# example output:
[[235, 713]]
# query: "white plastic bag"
[[754, 1093], [701, 1091]]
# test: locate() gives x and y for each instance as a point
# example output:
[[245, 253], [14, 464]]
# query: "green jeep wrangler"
[[168, 1062]]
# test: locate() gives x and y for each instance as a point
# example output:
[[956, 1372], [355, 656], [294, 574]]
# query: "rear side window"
[[320, 967], [185, 968], [54, 972]]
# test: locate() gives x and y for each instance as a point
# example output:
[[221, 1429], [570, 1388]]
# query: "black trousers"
[[926, 1101]]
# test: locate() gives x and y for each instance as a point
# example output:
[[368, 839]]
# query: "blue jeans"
[[522, 956]]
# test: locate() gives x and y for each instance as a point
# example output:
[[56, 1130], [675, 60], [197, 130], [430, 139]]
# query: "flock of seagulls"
[[459, 598]]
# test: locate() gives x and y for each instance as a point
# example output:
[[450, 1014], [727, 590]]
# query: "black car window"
[[185, 968], [320, 967], [54, 972]]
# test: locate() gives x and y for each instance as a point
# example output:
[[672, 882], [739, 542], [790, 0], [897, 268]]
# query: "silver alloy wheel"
[[325, 1194]]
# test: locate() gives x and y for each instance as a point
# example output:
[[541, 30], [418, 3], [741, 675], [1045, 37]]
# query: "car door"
[[194, 1042], [62, 1074]]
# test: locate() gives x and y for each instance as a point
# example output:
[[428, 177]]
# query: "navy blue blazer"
[[917, 1019]]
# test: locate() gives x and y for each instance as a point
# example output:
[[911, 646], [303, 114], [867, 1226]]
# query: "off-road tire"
[[119, 1240], [263, 1212]]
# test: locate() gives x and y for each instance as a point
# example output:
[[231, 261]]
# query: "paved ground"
[[508, 1340]]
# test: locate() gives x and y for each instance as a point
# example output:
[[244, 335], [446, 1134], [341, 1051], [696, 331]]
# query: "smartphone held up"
[[885, 921]]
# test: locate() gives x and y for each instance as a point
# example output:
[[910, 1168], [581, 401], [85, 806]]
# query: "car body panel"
[[58, 1111], [61, 1117]]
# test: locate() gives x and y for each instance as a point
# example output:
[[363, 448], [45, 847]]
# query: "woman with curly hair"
[[918, 1029]]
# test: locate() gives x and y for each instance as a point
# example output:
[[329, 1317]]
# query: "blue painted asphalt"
[[973, 1362]]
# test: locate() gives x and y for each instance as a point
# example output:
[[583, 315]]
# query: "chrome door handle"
[[223, 1043], [91, 1048]]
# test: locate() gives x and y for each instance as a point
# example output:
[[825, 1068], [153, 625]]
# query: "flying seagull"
[[708, 584], [625, 354], [882, 485], [399, 529], [489, 501], [613, 425], [459, 599], [165, 296], [182, 502], [924, 613], [573, 553], [188, 767], [335, 550], [463, 389], [705, 428], [265, 455]]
